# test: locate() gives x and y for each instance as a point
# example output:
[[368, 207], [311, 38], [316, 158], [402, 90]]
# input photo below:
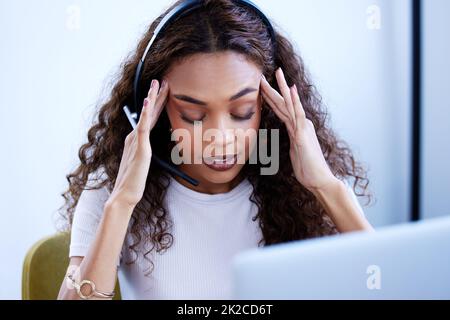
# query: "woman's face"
[[222, 92]]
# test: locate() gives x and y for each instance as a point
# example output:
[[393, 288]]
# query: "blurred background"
[[58, 59]]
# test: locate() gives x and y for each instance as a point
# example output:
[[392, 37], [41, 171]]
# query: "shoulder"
[[93, 196], [96, 178]]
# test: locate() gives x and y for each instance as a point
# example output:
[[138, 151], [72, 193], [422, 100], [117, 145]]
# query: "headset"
[[182, 9]]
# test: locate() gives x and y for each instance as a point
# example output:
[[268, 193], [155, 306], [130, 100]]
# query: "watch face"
[[92, 292]]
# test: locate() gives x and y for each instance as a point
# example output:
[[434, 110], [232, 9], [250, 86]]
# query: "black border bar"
[[416, 109]]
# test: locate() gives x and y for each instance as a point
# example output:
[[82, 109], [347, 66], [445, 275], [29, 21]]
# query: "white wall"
[[54, 67], [436, 109], [363, 74]]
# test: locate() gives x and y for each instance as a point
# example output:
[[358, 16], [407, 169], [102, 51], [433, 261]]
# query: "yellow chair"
[[45, 266]]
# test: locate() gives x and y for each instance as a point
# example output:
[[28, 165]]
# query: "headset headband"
[[180, 10]]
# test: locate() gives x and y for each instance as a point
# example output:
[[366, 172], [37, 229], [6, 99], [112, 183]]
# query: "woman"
[[170, 239]]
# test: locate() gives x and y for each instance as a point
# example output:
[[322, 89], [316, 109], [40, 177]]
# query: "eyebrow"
[[202, 103]]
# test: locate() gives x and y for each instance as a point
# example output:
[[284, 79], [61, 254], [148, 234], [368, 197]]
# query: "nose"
[[224, 137]]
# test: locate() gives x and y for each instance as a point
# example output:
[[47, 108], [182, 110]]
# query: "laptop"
[[407, 261]]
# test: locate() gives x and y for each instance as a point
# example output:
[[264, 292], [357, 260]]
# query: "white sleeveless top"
[[208, 231]]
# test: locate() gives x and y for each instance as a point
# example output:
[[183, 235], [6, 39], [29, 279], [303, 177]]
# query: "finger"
[[275, 108], [286, 92], [298, 107], [143, 126], [273, 95], [125, 154], [281, 112], [160, 102], [285, 119]]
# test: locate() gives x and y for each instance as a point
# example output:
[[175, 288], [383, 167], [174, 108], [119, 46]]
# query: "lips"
[[221, 163], [229, 158]]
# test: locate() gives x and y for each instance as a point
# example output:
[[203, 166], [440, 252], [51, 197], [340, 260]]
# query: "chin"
[[220, 177]]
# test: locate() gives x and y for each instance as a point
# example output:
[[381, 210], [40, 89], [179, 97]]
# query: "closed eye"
[[246, 117], [190, 121], [235, 117]]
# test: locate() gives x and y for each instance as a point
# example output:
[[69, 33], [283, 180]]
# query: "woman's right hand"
[[135, 163]]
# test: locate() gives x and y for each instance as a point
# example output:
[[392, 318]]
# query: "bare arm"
[[99, 264], [341, 208]]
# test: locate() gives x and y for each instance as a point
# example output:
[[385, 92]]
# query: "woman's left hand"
[[308, 162]]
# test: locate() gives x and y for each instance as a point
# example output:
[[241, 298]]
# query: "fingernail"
[[153, 84], [263, 76]]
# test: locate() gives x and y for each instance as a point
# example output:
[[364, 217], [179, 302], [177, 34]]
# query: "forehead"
[[213, 74]]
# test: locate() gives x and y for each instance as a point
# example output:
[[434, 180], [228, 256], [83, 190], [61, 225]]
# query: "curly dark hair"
[[287, 211]]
